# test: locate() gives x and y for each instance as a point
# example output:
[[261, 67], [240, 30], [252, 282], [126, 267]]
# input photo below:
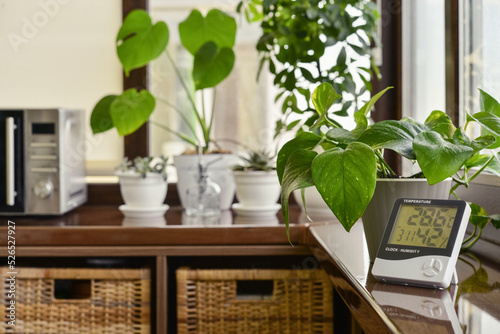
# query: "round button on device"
[[432, 267], [43, 188]]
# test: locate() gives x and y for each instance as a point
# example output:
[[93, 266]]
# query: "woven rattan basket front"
[[119, 302], [207, 302]]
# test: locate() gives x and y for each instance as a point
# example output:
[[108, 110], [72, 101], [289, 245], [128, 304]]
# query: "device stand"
[[454, 277]]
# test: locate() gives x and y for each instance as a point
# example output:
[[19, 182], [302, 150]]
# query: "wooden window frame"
[[388, 107], [135, 144]]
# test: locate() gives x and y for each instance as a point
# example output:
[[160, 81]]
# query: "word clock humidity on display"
[[421, 242]]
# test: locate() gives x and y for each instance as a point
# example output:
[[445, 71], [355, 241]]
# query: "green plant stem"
[[470, 236], [469, 179], [333, 123], [183, 83], [181, 114], [387, 170], [206, 130], [471, 243], [212, 115], [204, 115], [178, 134]]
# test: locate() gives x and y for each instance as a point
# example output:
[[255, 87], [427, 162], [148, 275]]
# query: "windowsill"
[[487, 179], [104, 179]]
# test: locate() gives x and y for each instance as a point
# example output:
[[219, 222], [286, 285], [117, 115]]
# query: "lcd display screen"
[[43, 128], [423, 226]]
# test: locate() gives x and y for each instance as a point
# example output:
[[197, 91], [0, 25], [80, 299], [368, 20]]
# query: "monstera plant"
[[208, 39], [345, 173]]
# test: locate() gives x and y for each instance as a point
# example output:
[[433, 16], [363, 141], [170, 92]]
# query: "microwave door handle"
[[10, 167]]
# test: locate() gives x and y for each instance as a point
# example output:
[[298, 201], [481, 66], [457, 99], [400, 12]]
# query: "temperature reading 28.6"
[[423, 226]]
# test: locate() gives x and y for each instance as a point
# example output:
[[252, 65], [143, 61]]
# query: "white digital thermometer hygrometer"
[[421, 242]]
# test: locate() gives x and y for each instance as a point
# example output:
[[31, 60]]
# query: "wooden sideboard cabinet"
[[99, 237]]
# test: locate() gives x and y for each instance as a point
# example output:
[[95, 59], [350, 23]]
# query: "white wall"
[[60, 53]]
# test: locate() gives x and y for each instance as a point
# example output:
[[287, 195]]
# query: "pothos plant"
[[345, 173], [295, 36], [208, 39]]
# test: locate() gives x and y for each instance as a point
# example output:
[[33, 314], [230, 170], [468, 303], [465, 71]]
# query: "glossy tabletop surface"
[[472, 306], [106, 225]]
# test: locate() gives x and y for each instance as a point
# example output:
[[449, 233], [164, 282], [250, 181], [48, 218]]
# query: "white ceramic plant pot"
[[218, 171], [386, 192], [138, 192], [257, 188], [317, 209]]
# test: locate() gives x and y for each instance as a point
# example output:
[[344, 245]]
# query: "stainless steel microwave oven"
[[42, 161]]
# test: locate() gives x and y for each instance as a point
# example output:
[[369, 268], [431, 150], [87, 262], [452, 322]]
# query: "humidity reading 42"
[[424, 226]]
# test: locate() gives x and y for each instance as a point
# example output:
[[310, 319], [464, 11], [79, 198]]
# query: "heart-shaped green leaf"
[[394, 135], [139, 41], [305, 141], [479, 160], [297, 175], [361, 121], [491, 123], [217, 27], [482, 142], [131, 109], [479, 216], [323, 98], [211, 65], [346, 180], [441, 123], [460, 137], [341, 136], [488, 104], [495, 220], [438, 158], [100, 119]]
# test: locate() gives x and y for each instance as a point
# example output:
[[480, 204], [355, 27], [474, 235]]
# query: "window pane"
[[423, 40], [480, 51]]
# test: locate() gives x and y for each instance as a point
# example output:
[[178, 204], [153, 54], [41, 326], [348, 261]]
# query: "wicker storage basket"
[[207, 302], [119, 302]]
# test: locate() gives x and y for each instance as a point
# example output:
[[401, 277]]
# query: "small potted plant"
[[143, 185], [346, 174], [257, 185], [209, 39]]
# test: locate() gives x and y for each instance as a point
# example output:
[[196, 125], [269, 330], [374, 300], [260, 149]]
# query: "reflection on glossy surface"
[[225, 218], [479, 296], [349, 247], [430, 310], [238, 220], [156, 222], [256, 212], [143, 213], [315, 216]]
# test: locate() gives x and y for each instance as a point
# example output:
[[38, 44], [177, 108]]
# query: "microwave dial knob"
[[43, 188]]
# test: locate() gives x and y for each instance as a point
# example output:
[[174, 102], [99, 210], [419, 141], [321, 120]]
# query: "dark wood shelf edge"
[[363, 307]]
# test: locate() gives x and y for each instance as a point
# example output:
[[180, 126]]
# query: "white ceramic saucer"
[[255, 212], [143, 213]]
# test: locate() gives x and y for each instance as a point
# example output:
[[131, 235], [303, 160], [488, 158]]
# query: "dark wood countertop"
[[471, 306], [106, 226]]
